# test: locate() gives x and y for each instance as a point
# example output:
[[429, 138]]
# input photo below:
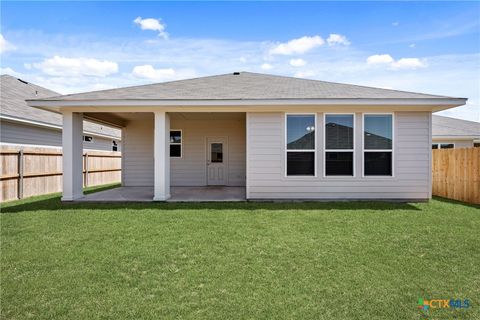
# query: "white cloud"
[[412, 45], [403, 63], [297, 62], [409, 63], [395, 24], [152, 24], [380, 59], [5, 45], [266, 66], [62, 66], [337, 39], [9, 71], [149, 72], [297, 46]]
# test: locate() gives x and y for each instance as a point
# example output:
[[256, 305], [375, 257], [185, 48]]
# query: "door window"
[[216, 152]]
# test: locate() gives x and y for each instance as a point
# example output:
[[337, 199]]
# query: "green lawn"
[[350, 260]]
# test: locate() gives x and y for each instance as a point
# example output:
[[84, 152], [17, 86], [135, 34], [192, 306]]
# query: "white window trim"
[[392, 150], [440, 143], [86, 135], [325, 150], [296, 150], [176, 143]]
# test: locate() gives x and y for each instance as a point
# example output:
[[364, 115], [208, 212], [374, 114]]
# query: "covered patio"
[[177, 194], [166, 156]]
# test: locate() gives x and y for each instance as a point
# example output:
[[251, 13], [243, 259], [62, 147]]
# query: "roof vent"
[[236, 73]]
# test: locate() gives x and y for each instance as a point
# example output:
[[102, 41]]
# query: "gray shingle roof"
[[246, 86], [445, 126], [14, 92]]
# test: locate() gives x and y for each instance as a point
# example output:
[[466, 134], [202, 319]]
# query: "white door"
[[217, 162]]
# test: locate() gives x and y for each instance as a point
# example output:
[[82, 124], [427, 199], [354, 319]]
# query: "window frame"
[[325, 150], [392, 150], [86, 135], [314, 150], [176, 143], [440, 143]]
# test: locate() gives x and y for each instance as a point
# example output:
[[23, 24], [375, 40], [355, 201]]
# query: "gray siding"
[[266, 162], [137, 167], [18, 133], [190, 170]]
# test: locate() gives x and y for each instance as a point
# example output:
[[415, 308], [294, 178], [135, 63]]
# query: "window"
[[176, 143], [339, 144], [476, 144], [88, 139], [378, 145], [114, 145], [443, 145], [216, 155], [300, 144]]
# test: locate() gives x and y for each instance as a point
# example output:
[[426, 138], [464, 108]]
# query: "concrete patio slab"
[[120, 194], [178, 194], [203, 194]]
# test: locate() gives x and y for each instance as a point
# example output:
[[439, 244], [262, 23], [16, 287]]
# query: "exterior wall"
[[137, 165], [266, 162], [190, 170], [458, 143], [17, 133]]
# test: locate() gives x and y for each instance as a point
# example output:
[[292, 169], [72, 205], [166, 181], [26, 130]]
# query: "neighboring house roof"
[[244, 86], [454, 128], [14, 92]]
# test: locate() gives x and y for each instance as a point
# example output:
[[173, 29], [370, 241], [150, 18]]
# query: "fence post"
[[20, 174], [86, 169]]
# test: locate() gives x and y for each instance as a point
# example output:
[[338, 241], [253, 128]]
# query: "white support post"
[[161, 156], [72, 143]]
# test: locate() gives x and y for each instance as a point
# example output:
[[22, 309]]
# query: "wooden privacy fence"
[[456, 174], [30, 171]]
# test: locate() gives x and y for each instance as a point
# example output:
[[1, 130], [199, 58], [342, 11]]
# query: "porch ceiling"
[[122, 118]]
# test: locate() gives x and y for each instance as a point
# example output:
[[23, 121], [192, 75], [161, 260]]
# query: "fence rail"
[[29, 171], [456, 174]]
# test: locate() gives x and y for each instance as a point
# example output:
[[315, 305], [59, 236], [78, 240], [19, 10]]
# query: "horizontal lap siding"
[[22, 134], [138, 153], [190, 170], [266, 161]]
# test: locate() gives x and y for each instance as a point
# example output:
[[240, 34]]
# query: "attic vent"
[[236, 73], [22, 81]]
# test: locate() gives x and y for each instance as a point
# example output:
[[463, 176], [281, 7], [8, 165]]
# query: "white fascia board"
[[52, 126], [434, 102]]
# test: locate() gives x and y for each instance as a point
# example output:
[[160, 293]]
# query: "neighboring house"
[[22, 125], [450, 133], [279, 137]]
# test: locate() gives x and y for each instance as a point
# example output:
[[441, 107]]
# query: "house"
[[277, 137], [25, 126], [450, 133]]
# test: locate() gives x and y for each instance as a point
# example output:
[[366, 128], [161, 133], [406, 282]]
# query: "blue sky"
[[431, 47]]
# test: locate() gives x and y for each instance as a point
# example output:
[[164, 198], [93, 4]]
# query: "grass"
[[348, 260]]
